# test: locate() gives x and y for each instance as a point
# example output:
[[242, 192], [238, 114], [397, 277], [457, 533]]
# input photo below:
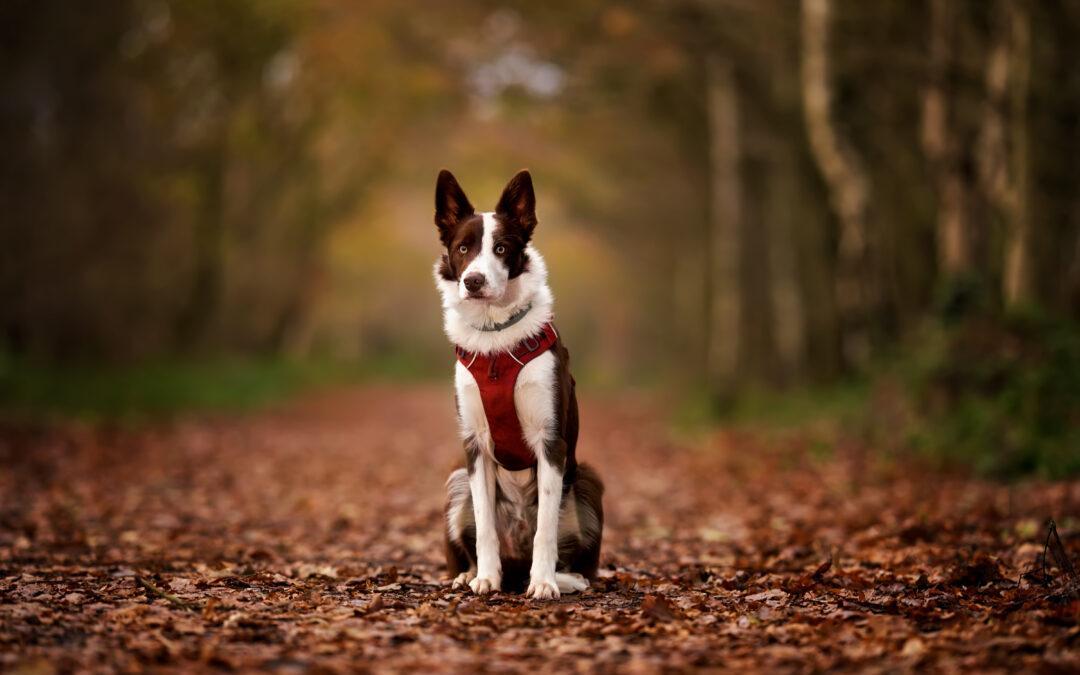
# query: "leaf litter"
[[308, 538]]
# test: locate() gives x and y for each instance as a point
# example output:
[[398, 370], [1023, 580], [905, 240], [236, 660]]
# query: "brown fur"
[[468, 234]]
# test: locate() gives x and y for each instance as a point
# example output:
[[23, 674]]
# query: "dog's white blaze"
[[487, 263]]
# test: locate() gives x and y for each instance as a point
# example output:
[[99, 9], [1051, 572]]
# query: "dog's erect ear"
[[517, 206], [451, 206]]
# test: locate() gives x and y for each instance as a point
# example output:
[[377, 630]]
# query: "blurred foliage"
[[151, 389], [818, 410], [148, 390], [1002, 395], [999, 393]]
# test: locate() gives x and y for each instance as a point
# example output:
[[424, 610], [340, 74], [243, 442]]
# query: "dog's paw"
[[484, 585], [463, 579], [543, 589]]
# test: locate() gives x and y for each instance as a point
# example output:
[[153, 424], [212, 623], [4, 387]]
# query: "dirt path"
[[308, 538]]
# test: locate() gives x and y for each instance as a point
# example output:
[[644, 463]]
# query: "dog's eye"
[[500, 249], [463, 249]]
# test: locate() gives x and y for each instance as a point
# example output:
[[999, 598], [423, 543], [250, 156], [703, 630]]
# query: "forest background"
[[785, 211]]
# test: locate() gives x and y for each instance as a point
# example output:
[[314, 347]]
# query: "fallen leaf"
[[657, 607]]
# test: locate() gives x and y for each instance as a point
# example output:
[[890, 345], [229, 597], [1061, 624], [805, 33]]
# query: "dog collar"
[[514, 318]]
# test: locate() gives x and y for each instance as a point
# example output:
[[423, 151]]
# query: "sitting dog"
[[522, 510]]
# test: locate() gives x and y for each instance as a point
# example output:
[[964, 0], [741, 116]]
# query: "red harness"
[[496, 375]]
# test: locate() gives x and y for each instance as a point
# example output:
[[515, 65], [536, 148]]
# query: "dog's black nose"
[[474, 282]]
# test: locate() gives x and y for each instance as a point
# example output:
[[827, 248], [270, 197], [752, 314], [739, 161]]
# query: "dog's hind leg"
[[588, 493], [581, 526], [460, 530]]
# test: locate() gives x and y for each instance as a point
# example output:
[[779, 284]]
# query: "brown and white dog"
[[523, 509]]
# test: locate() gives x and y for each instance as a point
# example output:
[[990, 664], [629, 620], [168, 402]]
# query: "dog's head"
[[484, 251]]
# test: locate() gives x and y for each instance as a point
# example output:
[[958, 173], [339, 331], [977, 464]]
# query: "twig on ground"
[[156, 590], [819, 573]]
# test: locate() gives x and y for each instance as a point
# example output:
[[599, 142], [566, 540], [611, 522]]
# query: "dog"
[[522, 510]]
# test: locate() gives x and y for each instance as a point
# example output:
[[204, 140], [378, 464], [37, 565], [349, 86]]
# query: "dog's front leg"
[[482, 486], [549, 478]]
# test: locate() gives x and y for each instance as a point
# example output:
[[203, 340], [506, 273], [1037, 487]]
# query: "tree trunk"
[[785, 216], [725, 217], [846, 180], [1003, 145], [1019, 278], [942, 148], [758, 362]]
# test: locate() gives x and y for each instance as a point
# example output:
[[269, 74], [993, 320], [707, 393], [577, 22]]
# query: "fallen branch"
[[157, 590]]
